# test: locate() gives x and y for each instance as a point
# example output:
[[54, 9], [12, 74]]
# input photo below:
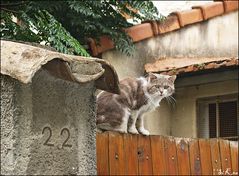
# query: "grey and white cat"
[[124, 112]]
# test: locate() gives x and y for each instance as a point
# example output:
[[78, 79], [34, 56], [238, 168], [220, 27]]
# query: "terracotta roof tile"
[[232, 62], [210, 65], [179, 65], [189, 16], [22, 61], [188, 69], [211, 9], [229, 6], [154, 26], [171, 24], [140, 32], [105, 43], [174, 21]]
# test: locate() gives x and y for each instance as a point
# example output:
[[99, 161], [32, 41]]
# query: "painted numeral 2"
[[68, 137], [64, 130]]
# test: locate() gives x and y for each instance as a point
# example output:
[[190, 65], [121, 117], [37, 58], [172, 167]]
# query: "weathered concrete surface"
[[21, 61], [26, 109]]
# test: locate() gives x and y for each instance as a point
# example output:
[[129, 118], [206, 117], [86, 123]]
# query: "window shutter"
[[228, 119], [212, 120]]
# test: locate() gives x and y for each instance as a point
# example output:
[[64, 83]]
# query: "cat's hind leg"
[[122, 128], [107, 127], [115, 121]]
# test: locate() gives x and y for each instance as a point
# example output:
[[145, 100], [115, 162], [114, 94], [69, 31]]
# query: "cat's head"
[[160, 85]]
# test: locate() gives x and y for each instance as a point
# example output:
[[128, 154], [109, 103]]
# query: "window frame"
[[216, 99]]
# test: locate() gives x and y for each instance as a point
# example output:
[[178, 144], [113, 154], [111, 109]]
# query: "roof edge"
[[202, 64], [175, 21]]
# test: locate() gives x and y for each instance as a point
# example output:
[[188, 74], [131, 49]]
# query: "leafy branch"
[[67, 25]]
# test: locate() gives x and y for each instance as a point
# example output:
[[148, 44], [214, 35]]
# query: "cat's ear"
[[151, 77], [172, 78]]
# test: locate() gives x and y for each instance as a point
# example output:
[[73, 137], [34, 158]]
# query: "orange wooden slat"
[[144, 155], [171, 156], [102, 153], [194, 155], [205, 156], [158, 155], [215, 157], [127, 154], [234, 156], [131, 154], [183, 156], [225, 156], [116, 154]]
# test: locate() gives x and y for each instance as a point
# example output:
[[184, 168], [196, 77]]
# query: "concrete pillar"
[[47, 127]]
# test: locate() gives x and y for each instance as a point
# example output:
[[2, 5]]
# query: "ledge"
[[175, 66]]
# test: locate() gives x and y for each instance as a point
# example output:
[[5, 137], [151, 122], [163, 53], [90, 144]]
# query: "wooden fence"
[[126, 154]]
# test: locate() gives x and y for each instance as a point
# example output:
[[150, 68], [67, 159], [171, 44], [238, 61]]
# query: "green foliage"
[[65, 25]]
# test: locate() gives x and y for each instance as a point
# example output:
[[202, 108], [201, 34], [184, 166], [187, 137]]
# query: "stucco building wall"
[[184, 116], [217, 37], [65, 109]]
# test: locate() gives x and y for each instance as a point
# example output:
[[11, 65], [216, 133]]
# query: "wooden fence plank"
[[205, 156], [131, 154], [144, 155], [158, 155], [127, 154], [183, 156], [234, 156], [116, 154], [215, 157], [171, 156], [225, 156], [102, 153], [194, 155]]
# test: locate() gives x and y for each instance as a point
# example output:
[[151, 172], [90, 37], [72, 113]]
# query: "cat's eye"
[[166, 87], [156, 86]]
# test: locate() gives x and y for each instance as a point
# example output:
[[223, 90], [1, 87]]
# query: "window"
[[218, 117]]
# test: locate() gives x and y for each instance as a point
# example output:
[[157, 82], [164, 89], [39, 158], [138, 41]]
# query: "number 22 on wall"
[[64, 130]]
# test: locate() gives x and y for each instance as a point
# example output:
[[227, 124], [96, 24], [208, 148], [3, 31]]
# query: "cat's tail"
[[101, 125], [104, 127], [100, 119]]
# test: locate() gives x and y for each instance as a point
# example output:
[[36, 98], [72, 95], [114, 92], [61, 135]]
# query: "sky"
[[166, 7]]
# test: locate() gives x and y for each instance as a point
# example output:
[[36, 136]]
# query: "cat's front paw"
[[133, 130], [144, 131]]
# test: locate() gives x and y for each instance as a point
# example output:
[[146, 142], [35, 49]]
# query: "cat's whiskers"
[[170, 99]]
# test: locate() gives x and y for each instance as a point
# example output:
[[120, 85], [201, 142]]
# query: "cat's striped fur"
[[124, 112]]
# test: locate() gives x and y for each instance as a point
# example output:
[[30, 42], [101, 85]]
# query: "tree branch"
[[15, 4], [8, 10]]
